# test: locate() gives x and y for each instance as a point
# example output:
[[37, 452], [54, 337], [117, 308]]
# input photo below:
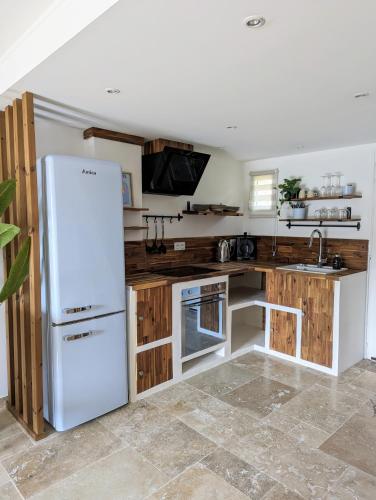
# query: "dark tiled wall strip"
[[203, 249]]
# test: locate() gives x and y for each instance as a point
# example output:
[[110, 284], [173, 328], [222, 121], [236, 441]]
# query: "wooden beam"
[[111, 135], [7, 257], [34, 273], [24, 294], [158, 145]]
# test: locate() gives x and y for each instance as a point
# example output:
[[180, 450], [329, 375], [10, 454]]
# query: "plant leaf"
[[7, 190], [7, 233], [18, 272]]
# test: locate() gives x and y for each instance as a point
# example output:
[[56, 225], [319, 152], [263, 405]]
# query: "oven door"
[[203, 324]]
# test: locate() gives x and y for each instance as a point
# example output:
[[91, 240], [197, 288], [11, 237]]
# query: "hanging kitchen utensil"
[[147, 246], [162, 246], [154, 247]]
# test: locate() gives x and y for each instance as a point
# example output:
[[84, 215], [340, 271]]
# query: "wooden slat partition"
[[18, 161]]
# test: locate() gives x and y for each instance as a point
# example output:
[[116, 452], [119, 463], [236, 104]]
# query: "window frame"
[[264, 214]]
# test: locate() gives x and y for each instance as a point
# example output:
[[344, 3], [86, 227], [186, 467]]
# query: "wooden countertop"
[[147, 279]]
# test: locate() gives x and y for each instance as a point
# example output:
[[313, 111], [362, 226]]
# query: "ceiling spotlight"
[[111, 90], [232, 127], [254, 21], [359, 95], [299, 147]]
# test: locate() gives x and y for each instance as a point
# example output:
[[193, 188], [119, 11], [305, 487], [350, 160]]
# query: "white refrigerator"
[[83, 289]]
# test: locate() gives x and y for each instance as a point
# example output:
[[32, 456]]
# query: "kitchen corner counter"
[[148, 279]]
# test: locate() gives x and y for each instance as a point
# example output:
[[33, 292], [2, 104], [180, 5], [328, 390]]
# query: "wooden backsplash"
[[203, 249]]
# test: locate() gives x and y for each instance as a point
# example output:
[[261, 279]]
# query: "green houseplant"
[[20, 267], [288, 190]]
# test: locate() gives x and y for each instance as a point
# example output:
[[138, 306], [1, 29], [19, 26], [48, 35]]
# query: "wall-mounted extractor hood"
[[172, 171]]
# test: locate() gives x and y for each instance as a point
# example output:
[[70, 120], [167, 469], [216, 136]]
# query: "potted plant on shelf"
[[298, 210], [288, 190]]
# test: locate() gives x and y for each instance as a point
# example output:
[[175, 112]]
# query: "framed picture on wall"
[[127, 189]]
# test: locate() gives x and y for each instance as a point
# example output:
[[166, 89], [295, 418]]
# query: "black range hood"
[[173, 171]]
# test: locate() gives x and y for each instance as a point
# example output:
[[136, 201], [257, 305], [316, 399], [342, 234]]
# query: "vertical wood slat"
[[9, 134], [34, 272], [24, 298], [7, 260]]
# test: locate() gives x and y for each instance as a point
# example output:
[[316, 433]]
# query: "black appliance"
[[173, 171], [246, 247], [183, 271]]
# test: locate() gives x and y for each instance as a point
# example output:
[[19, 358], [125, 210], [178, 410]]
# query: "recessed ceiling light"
[[111, 90], [254, 21], [299, 147], [232, 127], [359, 95]]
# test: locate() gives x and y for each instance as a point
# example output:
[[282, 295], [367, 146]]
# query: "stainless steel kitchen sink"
[[311, 268]]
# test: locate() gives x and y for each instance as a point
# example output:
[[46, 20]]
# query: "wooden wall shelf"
[[315, 219], [135, 228], [218, 214], [135, 209], [319, 198]]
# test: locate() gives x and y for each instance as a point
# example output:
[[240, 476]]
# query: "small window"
[[263, 193]]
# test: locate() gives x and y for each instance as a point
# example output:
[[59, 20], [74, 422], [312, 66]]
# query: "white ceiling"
[[16, 17], [188, 69]]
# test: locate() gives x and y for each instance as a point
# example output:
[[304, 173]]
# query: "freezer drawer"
[[87, 370]]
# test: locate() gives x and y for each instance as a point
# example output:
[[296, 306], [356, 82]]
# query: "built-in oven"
[[203, 319]]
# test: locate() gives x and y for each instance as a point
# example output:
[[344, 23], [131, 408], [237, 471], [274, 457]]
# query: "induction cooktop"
[[183, 271]]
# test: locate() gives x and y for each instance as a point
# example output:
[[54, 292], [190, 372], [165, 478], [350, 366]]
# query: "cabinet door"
[[287, 289], [154, 314], [317, 327], [154, 366]]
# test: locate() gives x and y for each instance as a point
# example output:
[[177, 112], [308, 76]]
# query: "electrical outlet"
[[179, 245]]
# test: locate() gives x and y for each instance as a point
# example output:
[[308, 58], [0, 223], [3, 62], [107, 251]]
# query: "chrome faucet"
[[320, 260]]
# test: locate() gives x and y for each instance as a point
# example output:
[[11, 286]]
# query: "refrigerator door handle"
[[78, 336], [73, 310]]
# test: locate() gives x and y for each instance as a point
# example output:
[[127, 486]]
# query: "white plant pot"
[[299, 213]]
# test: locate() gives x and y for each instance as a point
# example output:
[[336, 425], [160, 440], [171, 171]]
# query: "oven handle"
[[202, 302]]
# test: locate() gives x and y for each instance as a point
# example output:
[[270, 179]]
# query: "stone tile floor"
[[253, 428]]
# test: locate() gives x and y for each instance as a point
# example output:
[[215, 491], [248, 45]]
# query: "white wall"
[[357, 164], [220, 183]]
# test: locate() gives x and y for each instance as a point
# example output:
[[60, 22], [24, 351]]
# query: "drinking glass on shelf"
[[333, 213], [317, 214], [323, 189], [324, 213], [343, 213], [337, 183]]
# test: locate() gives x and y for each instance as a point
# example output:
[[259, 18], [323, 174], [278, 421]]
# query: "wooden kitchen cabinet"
[[315, 297], [154, 367], [154, 314]]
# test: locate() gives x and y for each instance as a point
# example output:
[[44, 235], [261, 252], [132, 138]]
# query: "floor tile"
[[178, 399], [307, 471], [4, 478], [261, 396], [367, 364], [346, 383], [222, 379], [353, 485], [60, 456], [280, 492], [174, 449], [280, 421], [14, 444], [218, 421], [291, 374], [255, 361], [136, 422], [239, 473], [9, 492], [309, 435], [198, 483], [122, 475], [321, 407], [8, 424], [367, 381], [355, 441]]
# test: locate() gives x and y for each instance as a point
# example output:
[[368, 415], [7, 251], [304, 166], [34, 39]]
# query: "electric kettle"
[[223, 251]]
